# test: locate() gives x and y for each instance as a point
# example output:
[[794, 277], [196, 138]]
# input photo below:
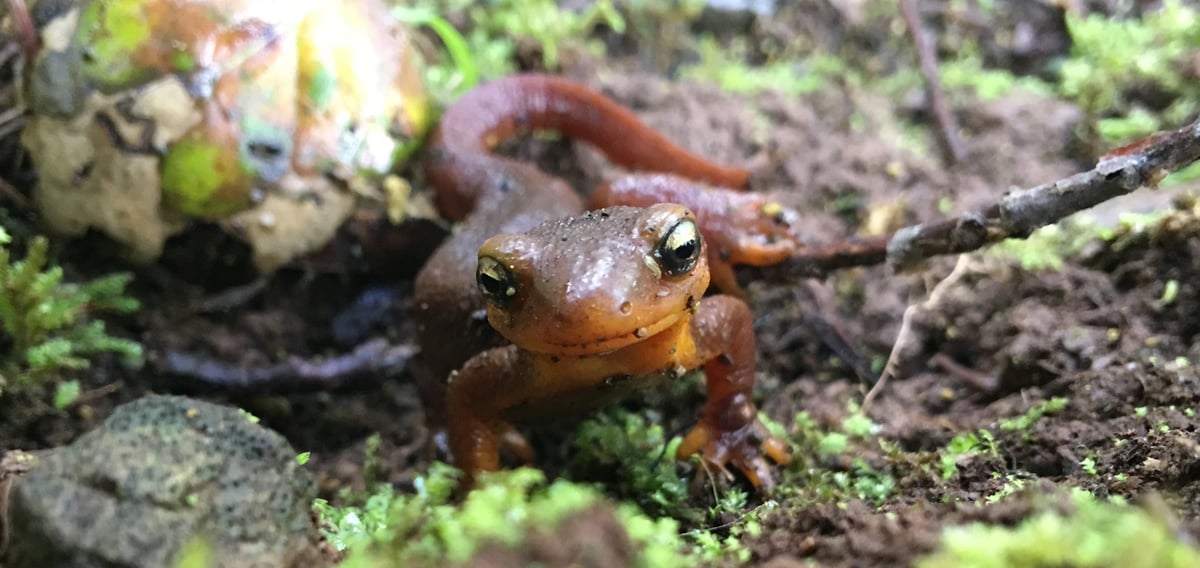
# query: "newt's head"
[[594, 283]]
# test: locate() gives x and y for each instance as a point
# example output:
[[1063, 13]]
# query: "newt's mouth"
[[602, 345]]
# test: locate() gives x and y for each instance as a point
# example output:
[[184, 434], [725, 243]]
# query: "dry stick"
[[905, 335], [1015, 215], [927, 57]]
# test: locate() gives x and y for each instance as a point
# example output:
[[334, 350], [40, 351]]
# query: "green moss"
[[637, 459], [811, 476], [112, 31], [487, 47], [726, 67], [1048, 247], [45, 321], [1096, 533], [967, 70], [427, 528], [203, 179], [1112, 59], [632, 453]]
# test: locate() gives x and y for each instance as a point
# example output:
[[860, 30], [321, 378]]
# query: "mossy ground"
[[1048, 369]]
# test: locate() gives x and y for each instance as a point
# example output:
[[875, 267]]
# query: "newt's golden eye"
[[496, 281], [679, 249]]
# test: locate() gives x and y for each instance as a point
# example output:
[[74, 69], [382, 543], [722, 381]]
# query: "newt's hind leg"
[[738, 227]]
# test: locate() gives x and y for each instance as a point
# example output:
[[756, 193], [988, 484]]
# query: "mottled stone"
[[161, 472]]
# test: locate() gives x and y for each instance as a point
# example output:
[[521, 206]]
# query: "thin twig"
[[980, 381], [8, 51], [6, 484], [367, 361], [904, 337], [12, 194], [230, 299], [1016, 215], [14, 464], [927, 57], [97, 393], [819, 321], [12, 115], [23, 26]]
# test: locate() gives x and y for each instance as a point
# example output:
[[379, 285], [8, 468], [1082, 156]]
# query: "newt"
[[587, 305]]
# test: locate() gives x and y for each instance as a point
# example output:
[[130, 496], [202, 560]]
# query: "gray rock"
[[161, 472]]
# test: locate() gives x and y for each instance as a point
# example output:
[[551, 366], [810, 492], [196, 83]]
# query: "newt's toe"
[[745, 448]]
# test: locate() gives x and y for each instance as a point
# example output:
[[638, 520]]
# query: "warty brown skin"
[[494, 195]]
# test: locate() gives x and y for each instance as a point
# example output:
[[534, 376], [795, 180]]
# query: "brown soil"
[[1095, 332]]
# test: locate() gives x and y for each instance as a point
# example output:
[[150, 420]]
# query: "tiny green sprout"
[[1026, 421], [877, 364], [871, 484], [945, 205], [1012, 484], [66, 394], [1161, 426], [1170, 292], [1121, 477], [833, 443], [988, 440], [960, 446], [303, 457], [1189, 412], [1140, 411], [1088, 464], [371, 467], [249, 417], [859, 425]]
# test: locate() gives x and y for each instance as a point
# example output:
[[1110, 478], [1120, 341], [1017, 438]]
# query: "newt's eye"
[[496, 281], [679, 249]]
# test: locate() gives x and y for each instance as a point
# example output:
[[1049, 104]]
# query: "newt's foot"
[[515, 443], [743, 446]]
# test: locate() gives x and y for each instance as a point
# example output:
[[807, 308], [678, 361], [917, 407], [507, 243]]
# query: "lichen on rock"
[[160, 473]]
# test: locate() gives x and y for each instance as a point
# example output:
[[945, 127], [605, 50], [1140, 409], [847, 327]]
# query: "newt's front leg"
[[729, 431], [477, 394]]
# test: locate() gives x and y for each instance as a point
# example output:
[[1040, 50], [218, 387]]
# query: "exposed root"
[[368, 361], [905, 336]]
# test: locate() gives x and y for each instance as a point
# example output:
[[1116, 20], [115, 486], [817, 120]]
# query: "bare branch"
[[1017, 214]]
